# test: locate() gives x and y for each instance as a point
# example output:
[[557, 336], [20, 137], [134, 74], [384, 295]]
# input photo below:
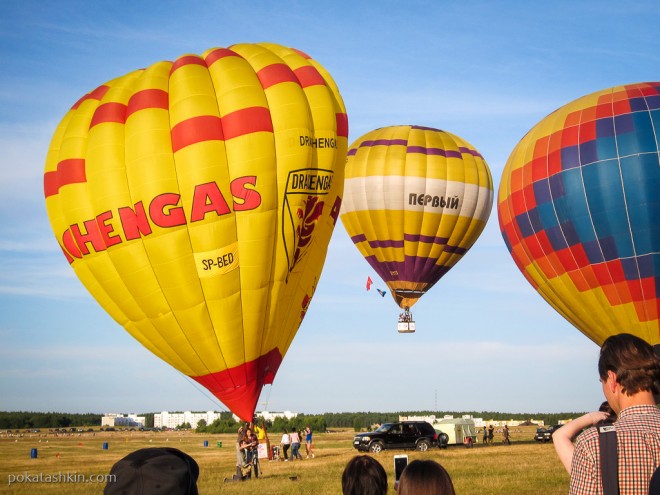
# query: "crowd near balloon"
[[195, 199]]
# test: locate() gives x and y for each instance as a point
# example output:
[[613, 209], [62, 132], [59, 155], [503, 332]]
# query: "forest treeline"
[[226, 424], [25, 419]]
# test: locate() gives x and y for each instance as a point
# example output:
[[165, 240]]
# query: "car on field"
[[545, 434], [418, 435]]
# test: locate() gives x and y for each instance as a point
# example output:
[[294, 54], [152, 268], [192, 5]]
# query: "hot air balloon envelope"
[[415, 200], [195, 200], [579, 211]]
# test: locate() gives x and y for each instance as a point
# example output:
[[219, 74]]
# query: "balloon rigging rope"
[[203, 391]]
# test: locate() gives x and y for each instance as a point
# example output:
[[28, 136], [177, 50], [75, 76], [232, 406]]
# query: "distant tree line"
[[226, 423], [365, 420], [25, 419]]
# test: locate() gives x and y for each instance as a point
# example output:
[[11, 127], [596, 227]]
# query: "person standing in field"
[[286, 443], [295, 445], [491, 434], [630, 375], [505, 433], [308, 442], [485, 439], [240, 460]]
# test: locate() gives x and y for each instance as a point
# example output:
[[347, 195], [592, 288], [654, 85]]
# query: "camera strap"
[[609, 459]]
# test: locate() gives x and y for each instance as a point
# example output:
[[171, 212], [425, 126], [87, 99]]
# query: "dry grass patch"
[[522, 468]]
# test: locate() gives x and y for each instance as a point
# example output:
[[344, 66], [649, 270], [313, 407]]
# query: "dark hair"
[[425, 478], [363, 475], [154, 470], [632, 360], [611, 415]]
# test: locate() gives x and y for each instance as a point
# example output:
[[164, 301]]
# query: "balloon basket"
[[406, 327], [406, 322]]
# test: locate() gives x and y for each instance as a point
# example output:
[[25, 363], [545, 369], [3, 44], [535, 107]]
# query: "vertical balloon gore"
[[579, 211], [195, 200], [416, 199]]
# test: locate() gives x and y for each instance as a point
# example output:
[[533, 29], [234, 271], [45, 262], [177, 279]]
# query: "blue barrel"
[[206, 443], [33, 454], [105, 445]]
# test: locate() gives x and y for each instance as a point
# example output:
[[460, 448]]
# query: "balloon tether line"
[[204, 392]]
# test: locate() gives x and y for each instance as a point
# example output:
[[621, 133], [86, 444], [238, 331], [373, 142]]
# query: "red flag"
[[369, 282]]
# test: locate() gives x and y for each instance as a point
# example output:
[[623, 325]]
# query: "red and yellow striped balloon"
[[195, 200]]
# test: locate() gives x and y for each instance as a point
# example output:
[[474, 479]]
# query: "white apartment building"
[[172, 420]]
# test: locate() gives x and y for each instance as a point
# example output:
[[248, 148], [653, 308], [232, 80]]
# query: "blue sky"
[[487, 71]]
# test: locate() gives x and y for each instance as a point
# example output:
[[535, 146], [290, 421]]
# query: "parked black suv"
[[545, 434], [418, 435]]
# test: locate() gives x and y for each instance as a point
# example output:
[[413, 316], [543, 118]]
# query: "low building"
[[129, 420], [270, 416]]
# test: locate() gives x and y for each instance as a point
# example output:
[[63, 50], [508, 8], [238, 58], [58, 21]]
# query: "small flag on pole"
[[381, 292], [369, 282]]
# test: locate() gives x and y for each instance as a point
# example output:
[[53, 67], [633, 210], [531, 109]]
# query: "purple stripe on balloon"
[[352, 151], [441, 152], [455, 249], [412, 269], [384, 142], [386, 244], [425, 238], [433, 151], [429, 239], [469, 151]]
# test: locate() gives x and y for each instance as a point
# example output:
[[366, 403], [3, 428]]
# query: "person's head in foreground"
[[153, 471], [425, 478], [629, 371], [363, 475]]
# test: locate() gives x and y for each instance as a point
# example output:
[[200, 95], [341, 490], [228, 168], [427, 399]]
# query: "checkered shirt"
[[638, 437]]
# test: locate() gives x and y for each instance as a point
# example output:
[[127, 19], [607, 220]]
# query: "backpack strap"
[[654, 485], [609, 459]]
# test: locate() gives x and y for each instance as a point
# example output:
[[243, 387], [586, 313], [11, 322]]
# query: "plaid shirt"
[[638, 437]]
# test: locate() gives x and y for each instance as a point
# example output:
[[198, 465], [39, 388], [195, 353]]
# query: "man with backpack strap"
[[630, 375]]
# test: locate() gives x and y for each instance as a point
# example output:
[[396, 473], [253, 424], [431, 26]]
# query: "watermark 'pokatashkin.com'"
[[60, 477]]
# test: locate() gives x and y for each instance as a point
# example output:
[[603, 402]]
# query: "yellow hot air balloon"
[[415, 200], [195, 200]]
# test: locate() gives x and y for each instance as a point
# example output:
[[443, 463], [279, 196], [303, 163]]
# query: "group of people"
[[292, 440], [489, 435], [247, 452], [405, 317]]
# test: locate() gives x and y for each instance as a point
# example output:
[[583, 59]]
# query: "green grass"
[[522, 468]]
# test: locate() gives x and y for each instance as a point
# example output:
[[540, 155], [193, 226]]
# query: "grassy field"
[[521, 468]]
